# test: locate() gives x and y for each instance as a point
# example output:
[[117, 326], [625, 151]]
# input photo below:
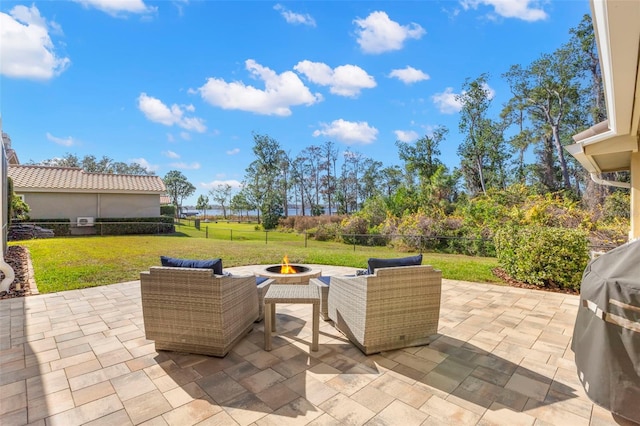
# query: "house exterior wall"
[[47, 205], [635, 196], [122, 205], [4, 189]]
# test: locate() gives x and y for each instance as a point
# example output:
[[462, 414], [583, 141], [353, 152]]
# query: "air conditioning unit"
[[85, 221]]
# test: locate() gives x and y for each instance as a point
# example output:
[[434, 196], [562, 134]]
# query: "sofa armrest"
[[324, 294]]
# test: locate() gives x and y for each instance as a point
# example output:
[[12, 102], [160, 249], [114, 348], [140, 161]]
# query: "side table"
[[282, 293]]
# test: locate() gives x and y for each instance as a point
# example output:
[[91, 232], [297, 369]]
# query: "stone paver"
[[502, 357]]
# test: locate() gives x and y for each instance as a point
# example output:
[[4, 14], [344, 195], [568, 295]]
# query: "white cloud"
[[185, 166], [144, 164], [406, 135], [120, 7], [450, 103], [491, 93], [409, 75], [344, 80], [170, 137], [26, 48], [185, 136], [68, 141], [377, 33], [281, 92], [349, 132], [170, 154], [155, 110], [215, 183], [233, 151], [295, 18], [527, 10], [447, 101]]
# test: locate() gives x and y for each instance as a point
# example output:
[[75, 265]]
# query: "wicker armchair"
[[192, 310], [391, 309]]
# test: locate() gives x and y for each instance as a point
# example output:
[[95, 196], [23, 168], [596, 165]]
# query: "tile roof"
[[63, 179]]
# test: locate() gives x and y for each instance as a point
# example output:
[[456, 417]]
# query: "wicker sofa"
[[390, 309], [193, 310]]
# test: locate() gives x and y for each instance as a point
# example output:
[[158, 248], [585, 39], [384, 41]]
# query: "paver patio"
[[502, 356]]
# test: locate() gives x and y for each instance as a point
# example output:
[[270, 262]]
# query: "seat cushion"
[[215, 264], [376, 263], [260, 280], [325, 279]]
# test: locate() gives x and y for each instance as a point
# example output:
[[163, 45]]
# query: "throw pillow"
[[215, 264], [375, 263]]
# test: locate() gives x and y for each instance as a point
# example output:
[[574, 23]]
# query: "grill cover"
[[606, 337]]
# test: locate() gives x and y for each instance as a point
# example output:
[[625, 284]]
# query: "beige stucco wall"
[[635, 196], [72, 205], [4, 218]]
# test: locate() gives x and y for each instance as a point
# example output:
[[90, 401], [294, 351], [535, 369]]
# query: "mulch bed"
[[18, 258], [500, 273]]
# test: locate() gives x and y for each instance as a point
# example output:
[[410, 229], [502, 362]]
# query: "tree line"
[[553, 98]]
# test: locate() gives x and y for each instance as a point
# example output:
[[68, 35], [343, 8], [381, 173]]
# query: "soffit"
[[609, 148]]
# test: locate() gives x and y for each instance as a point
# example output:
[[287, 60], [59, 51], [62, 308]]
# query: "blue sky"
[[183, 85]]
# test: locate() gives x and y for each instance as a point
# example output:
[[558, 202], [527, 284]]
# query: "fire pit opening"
[[287, 273], [297, 269]]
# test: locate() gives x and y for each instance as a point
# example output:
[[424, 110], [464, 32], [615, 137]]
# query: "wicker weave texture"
[[284, 293], [192, 310], [391, 309]]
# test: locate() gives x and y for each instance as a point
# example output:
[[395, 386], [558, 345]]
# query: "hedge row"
[[134, 225], [111, 225], [60, 227]]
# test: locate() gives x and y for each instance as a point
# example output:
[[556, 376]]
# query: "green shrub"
[[134, 225], [545, 257], [374, 210], [305, 223], [483, 212], [327, 232], [555, 210], [420, 232], [168, 210], [617, 206], [354, 230]]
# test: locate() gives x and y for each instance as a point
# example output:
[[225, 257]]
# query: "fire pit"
[[287, 273]]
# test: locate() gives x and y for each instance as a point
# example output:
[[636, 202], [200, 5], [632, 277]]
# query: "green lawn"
[[79, 262]]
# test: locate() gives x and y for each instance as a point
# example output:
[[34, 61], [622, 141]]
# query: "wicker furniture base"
[[195, 311], [283, 293], [262, 290], [391, 309]]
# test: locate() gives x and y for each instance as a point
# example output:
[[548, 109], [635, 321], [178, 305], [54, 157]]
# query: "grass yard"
[[80, 262]]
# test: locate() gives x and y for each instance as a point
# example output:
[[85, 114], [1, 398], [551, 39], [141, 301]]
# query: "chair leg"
[[316, 326], [268, 320]]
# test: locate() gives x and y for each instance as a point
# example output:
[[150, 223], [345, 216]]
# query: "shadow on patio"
[[290, 384], [502, 357]]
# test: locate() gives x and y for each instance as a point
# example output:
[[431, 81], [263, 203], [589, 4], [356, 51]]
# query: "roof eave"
[[619, 49]]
